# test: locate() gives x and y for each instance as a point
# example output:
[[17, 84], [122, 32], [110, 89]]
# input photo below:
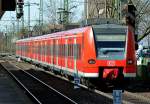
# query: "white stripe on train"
[[73, 71]]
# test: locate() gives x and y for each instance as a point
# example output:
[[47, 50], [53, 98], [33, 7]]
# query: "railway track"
[[127, 97], [81, 96], [40, 92]]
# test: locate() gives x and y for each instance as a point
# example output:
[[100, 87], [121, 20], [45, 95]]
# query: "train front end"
[[114, 52]]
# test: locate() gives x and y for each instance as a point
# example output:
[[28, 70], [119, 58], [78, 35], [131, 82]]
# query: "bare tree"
[[143, 17], [51, 12]]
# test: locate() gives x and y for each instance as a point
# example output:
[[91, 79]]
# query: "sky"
[[8, 18]]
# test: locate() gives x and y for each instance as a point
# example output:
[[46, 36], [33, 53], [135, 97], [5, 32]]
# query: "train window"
[[59, 49], [79, 51], [49, 50], [69, 50], [42, 46], [62, 50], [43, 52], [72, 50], [40, 49], [45, 49], [62, 54], [75, 51], [66, 50], [110, 41], [54, 52]]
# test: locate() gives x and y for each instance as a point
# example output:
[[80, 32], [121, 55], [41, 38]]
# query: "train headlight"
[[91, 61], [130, 61]]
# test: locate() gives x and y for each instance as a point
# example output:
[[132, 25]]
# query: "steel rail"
[[46, 85], [17, 80]]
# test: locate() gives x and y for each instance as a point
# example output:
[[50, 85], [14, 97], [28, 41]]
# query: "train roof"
[[103, 28], [68, 32]]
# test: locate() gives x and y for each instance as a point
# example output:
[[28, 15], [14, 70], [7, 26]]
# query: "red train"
[[100, 51]]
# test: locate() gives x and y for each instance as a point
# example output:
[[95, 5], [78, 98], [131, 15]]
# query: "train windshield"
[[110, 42]]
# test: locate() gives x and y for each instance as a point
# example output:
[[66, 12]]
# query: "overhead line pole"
[[41, 17], [28, 18]]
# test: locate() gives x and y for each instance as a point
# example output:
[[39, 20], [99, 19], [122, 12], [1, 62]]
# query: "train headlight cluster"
[[129, 61], [91, 61]]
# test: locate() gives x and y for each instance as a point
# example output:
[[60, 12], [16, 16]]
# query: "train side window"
[[64, 50], [58, 49], [75, 51], [78, 51], [54, 52], [40, 49], [45, 49], [68, 50], [61, 53], [42, 46], [49, 49], [45, 53], [72, 51]]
